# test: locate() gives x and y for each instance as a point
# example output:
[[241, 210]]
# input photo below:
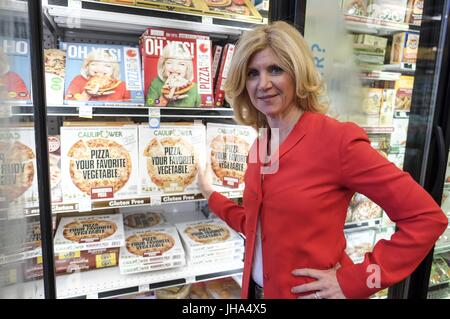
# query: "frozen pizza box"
[[177, 71], [398, 137], [170, 157], [388, 10], [364, 209], [205, 235], [55, 70], [217, 57], [15, 71], [242, 10], [172, 34], [89, 232], [190, 6], [414, 12], [227, 57], [215, 260], [54, 151], [18, 179], [102, 74], [405, 46], [210, 254], [142, 218], [153, 245], [128, 2], [99, 162], [227, 149]]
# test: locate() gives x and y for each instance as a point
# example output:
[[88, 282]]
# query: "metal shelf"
[[108, 282], [358, 24], [137, 201], [123, 19], [129, 111], [441, 249]]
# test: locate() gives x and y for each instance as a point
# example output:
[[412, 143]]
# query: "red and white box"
[[177, 70], [217, 56], [227, 56]]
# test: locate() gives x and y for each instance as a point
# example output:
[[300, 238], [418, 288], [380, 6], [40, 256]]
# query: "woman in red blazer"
[[296, 195]]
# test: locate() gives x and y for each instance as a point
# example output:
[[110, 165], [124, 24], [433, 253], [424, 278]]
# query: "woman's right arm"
[[227, 210]]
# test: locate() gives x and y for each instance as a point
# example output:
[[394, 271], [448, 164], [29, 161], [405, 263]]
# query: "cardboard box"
[[138, 218], [403, 93], [227, 149], [388, 10], [99, 163], [54, 152], [415, 11], [89, 232], [177, 71], [15, 71], [190, 6], [404, 47], [227, 57], [170, 157], [102, 74], [18, 178], [242, 10], [55, 70]]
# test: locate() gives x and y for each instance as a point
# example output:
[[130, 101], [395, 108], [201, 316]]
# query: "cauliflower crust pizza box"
[[153, 245], [206, 235], [227, 148], [177, 71], [15, 71], [89, 232], [99, 162], [233, 9], [139, 218], [170, 157], [102, 74], [216, 260], [216, 253], [192, 6], [18, 180], [151, 267]]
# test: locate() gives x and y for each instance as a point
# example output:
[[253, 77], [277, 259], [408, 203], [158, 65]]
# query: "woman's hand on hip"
[[204, 181], [325, 287]]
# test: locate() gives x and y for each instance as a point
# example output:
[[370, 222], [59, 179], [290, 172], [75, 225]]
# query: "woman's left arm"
[[419, 220]]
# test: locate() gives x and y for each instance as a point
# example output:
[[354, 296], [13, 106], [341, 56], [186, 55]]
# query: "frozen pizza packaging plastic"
[[18, 179], [89, 232], [177, 69], [102, 74], [99, 162], [170, 157], [206, 235], [227, 148]]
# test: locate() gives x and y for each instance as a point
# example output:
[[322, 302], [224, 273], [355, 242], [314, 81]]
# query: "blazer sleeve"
[[232, 213], [420, 221]]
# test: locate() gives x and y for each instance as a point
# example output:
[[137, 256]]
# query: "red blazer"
[[303, 207]]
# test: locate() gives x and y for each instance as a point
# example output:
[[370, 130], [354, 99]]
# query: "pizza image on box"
[[142, 219], [240, 9], [100, 74], [149, 243], [89, 232], [18, 180], [99, 163], [170, 157], [228, 147], [207, 233]]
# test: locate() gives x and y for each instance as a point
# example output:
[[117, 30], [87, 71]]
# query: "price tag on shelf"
[[207, 20], [75, 4], [85, 205], [154, 117], [144, 288], [85, 111]]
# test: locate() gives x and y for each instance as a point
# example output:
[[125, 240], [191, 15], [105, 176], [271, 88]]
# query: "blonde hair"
[[102, 55], [175, 50], [296, 59]]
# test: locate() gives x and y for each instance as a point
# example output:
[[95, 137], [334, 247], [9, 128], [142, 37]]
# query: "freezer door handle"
[[440, 141]]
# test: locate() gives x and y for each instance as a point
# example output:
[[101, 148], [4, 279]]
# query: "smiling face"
[[270, 88], [175, 67], [100, 68]]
